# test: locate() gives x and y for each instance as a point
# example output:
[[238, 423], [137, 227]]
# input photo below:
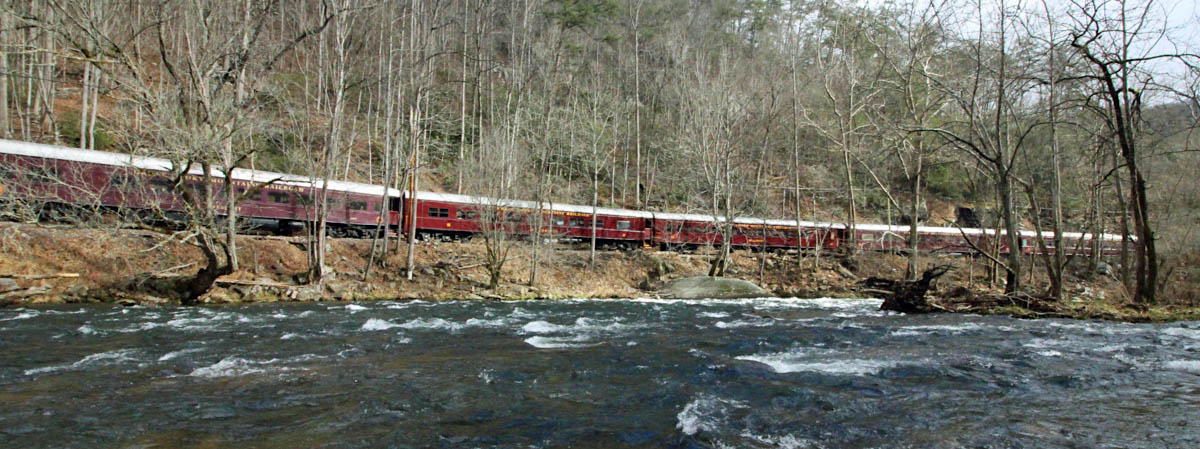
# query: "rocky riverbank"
[[42, 264]]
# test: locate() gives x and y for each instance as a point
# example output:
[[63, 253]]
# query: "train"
[[283, 203]]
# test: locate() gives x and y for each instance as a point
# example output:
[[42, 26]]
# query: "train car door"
[[395, 207]]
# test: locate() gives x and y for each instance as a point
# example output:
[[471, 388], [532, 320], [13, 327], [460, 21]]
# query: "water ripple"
[[744, 373]]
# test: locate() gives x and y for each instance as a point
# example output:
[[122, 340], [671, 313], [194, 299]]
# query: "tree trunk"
[[462, 140], [231, 198], [914, 240], [851, 209], [1013, 237], [1123, 258], [204, 279], [97, 74], [595, 203], [412, 198], [1097, 225], [85, 89], [5, 126], [637, 106], [1147, 266]]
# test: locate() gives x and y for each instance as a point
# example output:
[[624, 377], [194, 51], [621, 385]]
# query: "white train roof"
[[746, 220], [975, 231], [158, 164], [684, 217], [504, 202]]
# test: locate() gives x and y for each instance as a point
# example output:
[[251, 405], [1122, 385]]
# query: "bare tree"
[[909, 59], [995, 121], [1044, 31], [716, 112], [1118, 39], [212, 58], [848, 91], [334, 81], [494, 178]]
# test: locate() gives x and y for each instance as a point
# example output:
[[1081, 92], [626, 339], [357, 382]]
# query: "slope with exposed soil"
[[39, 264]]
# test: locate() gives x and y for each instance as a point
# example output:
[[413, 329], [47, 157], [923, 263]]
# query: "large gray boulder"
[[710, 287]]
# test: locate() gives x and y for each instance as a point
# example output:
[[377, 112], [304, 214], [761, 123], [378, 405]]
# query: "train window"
[[558, 221], [160, 185], [439, 212], [868, 236], [623, 225], [5, 172], [278, 197], [466, 214], [304, 199], [576, 222], [356, 205]]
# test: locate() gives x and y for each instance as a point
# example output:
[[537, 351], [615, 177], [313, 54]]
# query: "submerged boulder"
[[710, 287]]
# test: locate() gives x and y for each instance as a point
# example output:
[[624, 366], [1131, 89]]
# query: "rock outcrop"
[[701, 287]]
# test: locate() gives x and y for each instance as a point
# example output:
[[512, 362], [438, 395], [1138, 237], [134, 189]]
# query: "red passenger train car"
[[693, 230], [877, 237], [282, 202], [947, 240], [459, 215]]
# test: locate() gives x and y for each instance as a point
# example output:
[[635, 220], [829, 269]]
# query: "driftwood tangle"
[[908, 296]]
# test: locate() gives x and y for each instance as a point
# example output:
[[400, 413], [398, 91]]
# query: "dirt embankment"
[[53, 264]]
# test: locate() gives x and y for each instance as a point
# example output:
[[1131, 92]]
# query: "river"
[[756, 373]]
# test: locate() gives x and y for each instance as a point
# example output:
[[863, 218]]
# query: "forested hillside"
[[1076, 116]]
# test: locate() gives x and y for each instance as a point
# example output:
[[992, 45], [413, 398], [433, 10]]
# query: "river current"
[[755, 373]]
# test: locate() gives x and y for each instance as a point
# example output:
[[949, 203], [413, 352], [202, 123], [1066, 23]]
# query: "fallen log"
[[252, 283], [843, 272], [40, 276]]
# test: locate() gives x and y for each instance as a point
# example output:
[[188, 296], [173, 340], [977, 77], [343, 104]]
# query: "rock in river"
[[710, 287]]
